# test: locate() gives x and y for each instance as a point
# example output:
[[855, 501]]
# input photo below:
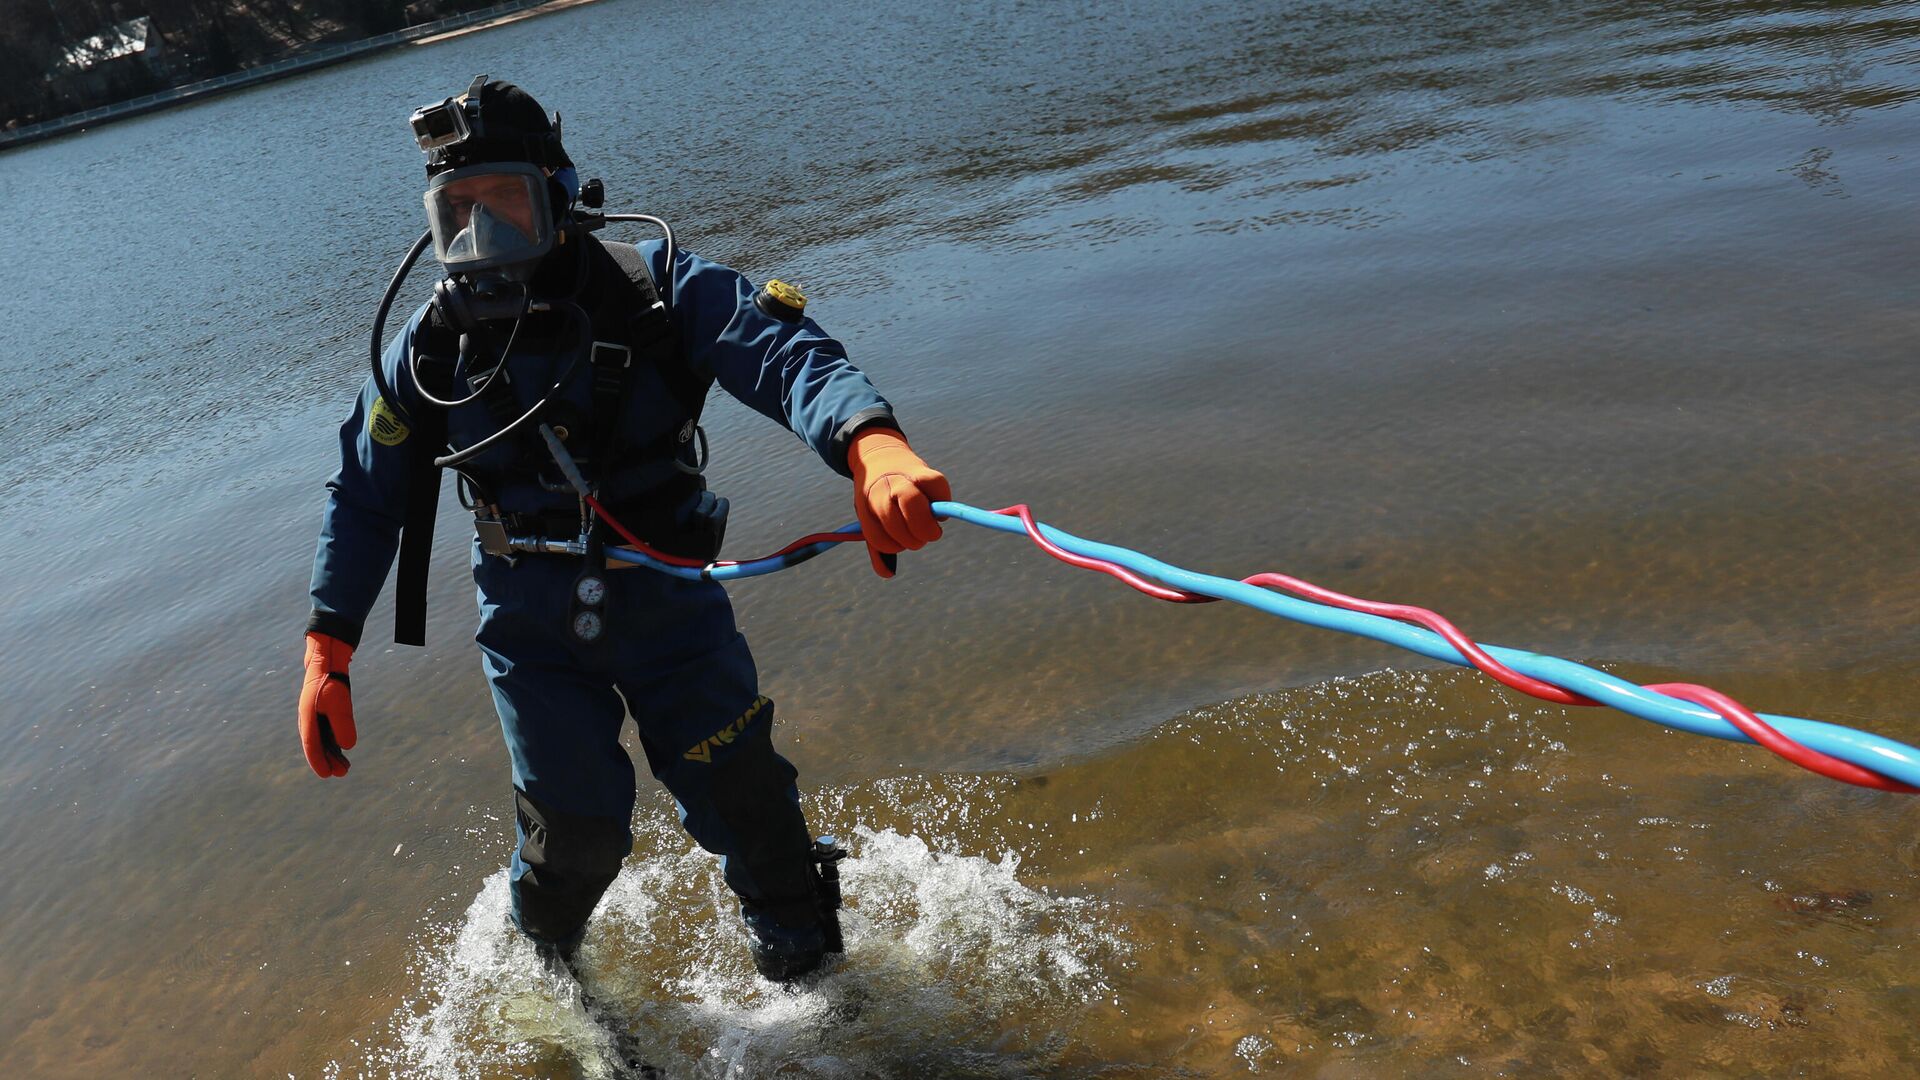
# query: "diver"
[[562, 379]]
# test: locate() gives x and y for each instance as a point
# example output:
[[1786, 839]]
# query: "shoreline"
[[439, 30], [547, 8]]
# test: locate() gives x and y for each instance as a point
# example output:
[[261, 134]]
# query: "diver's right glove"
[[326, 705]]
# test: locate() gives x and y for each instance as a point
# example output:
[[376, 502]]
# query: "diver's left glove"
[[326, 705], [893, 495]]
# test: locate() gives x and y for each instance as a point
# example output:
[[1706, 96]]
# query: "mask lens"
[[486, 218]]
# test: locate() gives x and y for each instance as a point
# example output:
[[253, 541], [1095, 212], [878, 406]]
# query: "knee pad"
[[570, 860]]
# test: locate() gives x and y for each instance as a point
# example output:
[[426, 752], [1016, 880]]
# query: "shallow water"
[[1590, 325]]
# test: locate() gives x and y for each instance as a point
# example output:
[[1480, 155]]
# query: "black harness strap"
[[499, 400], [652, 328], [630, 300], [416, 536], [423, 500], [612, 364]]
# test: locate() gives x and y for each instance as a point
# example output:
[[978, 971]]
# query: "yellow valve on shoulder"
[[780, 301]]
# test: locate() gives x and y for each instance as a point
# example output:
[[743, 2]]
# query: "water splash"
[[941, 948]]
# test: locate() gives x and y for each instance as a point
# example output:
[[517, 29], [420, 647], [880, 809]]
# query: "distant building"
[[126, 39], [126, 57]]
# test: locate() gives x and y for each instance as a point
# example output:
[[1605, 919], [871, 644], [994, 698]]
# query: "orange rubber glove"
[[326, 705], [893, 496]]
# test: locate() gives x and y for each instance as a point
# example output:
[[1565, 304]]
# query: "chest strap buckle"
[[608, 354]]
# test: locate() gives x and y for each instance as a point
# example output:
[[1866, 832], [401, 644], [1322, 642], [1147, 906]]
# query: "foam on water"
[[941, 948]]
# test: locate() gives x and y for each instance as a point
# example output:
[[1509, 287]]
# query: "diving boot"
[[783, 952], [555, 956]]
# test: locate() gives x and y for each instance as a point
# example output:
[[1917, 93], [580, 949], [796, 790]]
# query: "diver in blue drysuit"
[[670, 654]]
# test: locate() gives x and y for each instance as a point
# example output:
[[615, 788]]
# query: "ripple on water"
[[1402, 873]]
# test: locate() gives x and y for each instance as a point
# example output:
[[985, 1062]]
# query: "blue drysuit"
[[671, 654]]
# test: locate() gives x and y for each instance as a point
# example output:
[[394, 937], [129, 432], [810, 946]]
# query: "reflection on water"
[[1589, 324], [1263, 116]]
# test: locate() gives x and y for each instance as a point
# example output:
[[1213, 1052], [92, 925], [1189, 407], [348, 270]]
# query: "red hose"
[[1742, 718], [1770, 737], [651, 552]]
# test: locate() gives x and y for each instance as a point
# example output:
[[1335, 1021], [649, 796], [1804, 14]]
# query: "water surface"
[[1590, 325]]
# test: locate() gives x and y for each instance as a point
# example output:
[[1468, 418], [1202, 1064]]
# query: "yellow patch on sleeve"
[[385, 425]]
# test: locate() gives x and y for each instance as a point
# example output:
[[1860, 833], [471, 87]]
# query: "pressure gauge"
[[590, 590], [587, 612]]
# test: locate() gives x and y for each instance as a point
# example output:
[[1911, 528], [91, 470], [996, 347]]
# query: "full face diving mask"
[[493, 216]]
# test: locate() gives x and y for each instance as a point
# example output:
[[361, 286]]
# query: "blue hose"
[[734, 571], [1885, 756]]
